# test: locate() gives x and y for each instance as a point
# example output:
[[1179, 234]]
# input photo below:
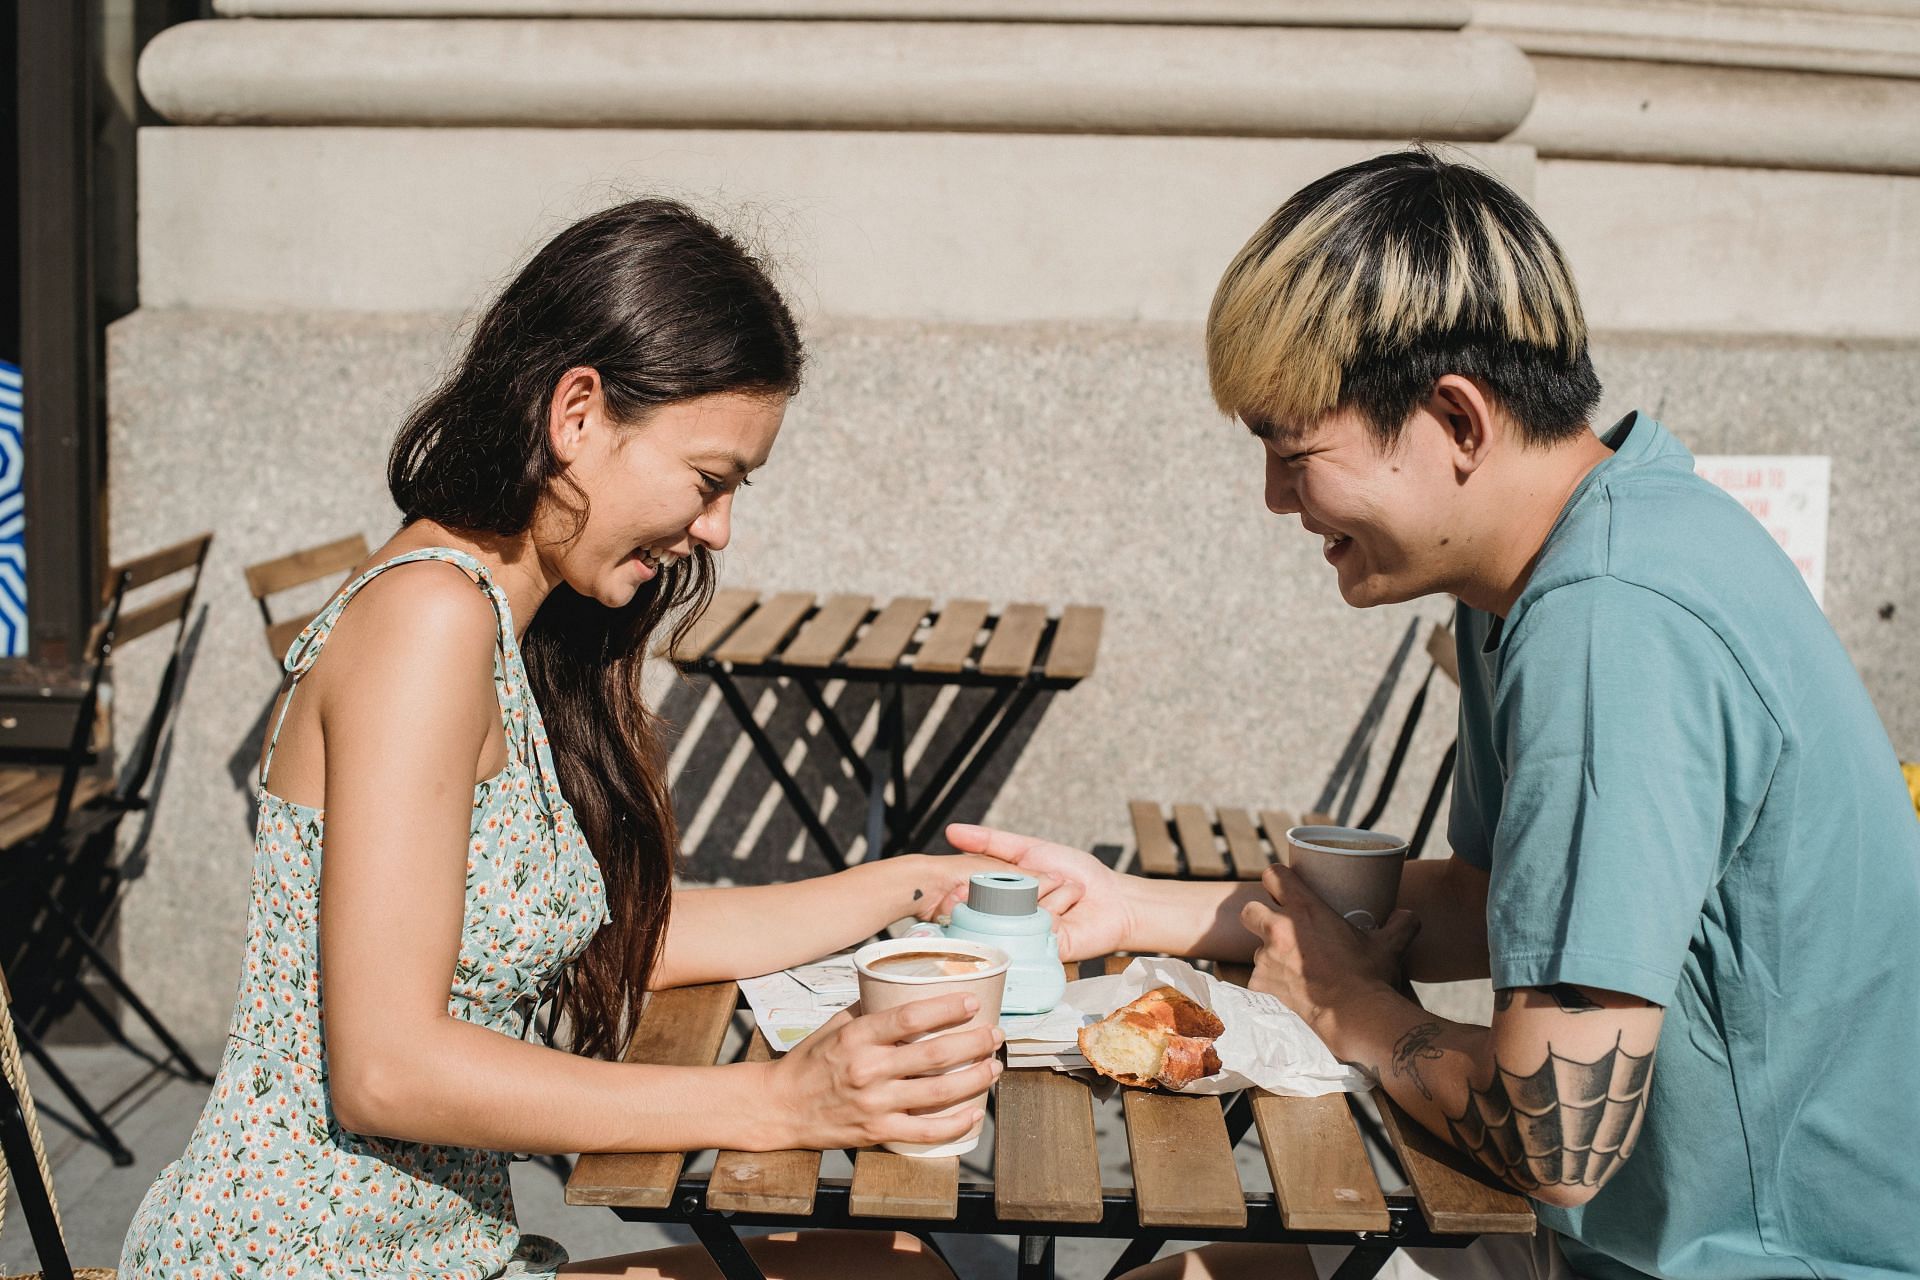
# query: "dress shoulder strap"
[[305, 650]]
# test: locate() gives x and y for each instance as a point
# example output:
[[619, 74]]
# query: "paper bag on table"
[[1265, 1045]]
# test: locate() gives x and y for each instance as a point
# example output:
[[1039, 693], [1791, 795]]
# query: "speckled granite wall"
[[1047, 464]]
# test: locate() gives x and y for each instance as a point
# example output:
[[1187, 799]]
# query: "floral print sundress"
[[270, 1184]]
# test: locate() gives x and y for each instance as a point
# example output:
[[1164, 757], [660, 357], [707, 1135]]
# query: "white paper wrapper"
[[1266, 1045]]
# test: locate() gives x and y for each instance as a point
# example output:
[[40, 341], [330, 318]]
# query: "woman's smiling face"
[[1381, 513], [654, 492]]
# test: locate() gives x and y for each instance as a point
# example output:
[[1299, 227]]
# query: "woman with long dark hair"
[[462, 735]]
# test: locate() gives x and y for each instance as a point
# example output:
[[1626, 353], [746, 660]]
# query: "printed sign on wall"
[[1788, 495]]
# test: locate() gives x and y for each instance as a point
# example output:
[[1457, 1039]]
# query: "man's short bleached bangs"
[[1370, 283]]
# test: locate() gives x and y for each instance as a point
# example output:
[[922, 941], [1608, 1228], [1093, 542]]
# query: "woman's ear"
[[1473, 428], [573, 411]]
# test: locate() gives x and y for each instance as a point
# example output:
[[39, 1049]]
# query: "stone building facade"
[[1003, 220]]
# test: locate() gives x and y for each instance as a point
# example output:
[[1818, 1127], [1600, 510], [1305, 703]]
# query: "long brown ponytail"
[[665, 307]]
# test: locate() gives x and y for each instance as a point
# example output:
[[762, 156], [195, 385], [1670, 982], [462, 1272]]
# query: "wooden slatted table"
[[1046, 1172], [1017, 653]]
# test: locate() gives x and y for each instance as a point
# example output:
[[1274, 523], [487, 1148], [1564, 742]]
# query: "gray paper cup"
[[1355, 872]]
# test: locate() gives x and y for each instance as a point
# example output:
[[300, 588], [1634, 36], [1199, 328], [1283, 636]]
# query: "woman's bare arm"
[[407, 711]]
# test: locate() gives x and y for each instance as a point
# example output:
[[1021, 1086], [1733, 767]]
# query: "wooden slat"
[[888, 635], [1076, 642], [30, 788], [1321, 1176], [1243, 844], [1046, 1163], [272, 576], [766, 630], [1453, 1195], [13, 779], [1440, 648], [727, 607], [827, 632], [281, 635], [1157, 854], [681, 1027], [886, 1185], [1276, 822], [1195, 829], [156, 565], [950, 643], [23, 821], [1183, 1170], [1318, 818], [763, 1181], [1015, 639], [148, 617]]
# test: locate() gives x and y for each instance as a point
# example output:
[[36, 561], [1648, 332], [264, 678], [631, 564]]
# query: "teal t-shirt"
[[1681, 791]]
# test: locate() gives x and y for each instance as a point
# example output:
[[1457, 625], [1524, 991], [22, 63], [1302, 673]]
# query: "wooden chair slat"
[[149, 617], [1183, 1170], [1015, 641], [28, 787], [281, 635], [1076, 642], [24, 820], [1046, 1163], [763, 1181], [156, 565], [1453, 1195], [1321, 1176], [1318, 818], [727, 607], [270, 577], [1243, 843], [17, 777], [1441, 649], [1157, 854], [1195, 829], [827, 632], [888, 635], [950, 643], [886, 1185], [1276, 822], [766, 630], [681, 1027]]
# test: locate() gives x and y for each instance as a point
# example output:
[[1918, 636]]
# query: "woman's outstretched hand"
[[853, 1082], [1094, 914]]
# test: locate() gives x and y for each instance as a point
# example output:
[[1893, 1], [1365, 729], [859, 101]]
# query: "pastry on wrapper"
[[1163, 1038]]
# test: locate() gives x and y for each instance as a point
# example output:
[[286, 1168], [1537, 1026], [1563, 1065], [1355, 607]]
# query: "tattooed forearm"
[[1415, 1047], [1567, 1124]]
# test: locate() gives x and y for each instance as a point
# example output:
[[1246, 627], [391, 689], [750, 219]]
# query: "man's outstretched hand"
[[1094, 913]]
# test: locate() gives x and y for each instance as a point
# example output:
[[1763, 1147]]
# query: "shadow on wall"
[[736, 824]]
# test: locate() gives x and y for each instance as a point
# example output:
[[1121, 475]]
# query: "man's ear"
[[1473, 428], [571, 411]]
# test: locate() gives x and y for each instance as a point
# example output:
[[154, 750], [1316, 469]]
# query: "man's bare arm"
[[1449, 899], [1549, 1100]]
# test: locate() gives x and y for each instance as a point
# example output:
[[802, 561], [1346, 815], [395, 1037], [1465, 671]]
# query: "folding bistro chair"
[[63, 854], [270, 578], [25, 1163], [1236, 844]]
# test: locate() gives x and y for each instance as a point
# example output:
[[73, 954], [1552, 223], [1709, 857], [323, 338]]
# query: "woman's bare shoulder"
[[416, 618]]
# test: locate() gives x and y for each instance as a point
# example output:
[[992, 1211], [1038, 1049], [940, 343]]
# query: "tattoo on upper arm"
[[1413, 1048], [1567, 1124]]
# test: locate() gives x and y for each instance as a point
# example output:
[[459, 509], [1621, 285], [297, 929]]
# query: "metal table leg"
[[1036, 1258], [723, 1246], [770, 757], [930, 814], [1364, 1262]]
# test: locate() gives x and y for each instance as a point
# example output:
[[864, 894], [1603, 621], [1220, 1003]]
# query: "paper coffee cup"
[[886, 988], [1355, 872]]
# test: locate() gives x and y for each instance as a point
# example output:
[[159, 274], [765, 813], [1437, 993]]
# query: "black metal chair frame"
[[48, 855]]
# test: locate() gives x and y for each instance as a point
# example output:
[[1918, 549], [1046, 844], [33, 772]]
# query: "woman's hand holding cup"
[[857, 1081]]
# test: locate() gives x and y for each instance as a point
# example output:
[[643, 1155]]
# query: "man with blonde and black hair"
[[1682, 849]]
